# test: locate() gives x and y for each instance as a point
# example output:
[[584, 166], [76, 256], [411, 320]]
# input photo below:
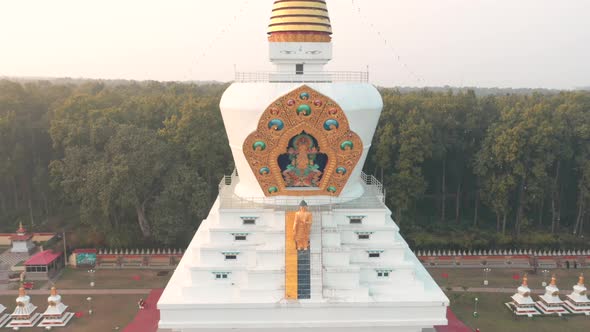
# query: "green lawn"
[[495, 317], [109, 311], [113, 279], [502, 278]]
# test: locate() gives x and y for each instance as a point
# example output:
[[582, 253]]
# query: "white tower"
[[300, 133]]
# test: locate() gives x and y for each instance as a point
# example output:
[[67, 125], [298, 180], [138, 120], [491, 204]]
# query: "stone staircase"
[[316, 264]]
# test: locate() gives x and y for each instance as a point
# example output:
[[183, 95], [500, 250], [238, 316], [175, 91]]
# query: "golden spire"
[[553, 280], [21, 229], [300, 21], [525, 280], [21, 292], [581, 280], [53, 291]]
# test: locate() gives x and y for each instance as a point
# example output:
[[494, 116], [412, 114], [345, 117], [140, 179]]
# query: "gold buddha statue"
[[302, 227]]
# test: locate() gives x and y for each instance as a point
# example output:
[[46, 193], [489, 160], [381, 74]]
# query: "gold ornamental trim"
[[299, 37], [299, 4], [300, 20], [303, 112], [299, 12], [300, 16], [299, 28]]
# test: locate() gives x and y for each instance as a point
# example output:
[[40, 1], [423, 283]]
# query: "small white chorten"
[[523, 304], [24, 314], [22, 242], [550, 302], [56, 313], [578, 302], [4, 317]]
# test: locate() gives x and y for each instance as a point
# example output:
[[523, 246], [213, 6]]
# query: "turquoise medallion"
[[346, 145], [276, 125], [259, 146], [331, 125], [305, 109]]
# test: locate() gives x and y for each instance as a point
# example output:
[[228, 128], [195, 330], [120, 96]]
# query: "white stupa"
[[56, 313], [4, 317], [577, 302], [550, 302], [24, 314], [22, 241], [300, 133], [522, 304]]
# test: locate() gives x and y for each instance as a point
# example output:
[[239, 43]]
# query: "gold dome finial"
[[53, 291], [21, 292], [581, 279], [21, 229], [553, 280], [525, 280], [300, 21]]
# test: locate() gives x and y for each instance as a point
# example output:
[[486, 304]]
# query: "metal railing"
[[373, 197], [372, 182], [306, 77]]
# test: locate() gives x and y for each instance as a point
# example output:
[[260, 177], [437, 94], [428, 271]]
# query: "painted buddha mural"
[[303, 165]]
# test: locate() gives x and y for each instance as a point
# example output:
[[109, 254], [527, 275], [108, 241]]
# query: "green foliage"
[[124, 164], [128, 157], [516, 164]]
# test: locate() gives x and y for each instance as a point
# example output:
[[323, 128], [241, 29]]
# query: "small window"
[[251, 221], [383, 274], [299, 69], [374, 255], [221, 275], [229, 257], [240, 236], [356, 221], [364, 236]]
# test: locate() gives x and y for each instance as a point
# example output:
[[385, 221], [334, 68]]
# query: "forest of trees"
[[124, 164]]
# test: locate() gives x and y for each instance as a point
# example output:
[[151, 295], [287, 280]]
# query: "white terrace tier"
[[357, 256]]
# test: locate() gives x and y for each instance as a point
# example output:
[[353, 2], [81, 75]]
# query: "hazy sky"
[[505, 43]]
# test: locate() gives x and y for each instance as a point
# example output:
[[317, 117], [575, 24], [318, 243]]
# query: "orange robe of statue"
[[302, 228]]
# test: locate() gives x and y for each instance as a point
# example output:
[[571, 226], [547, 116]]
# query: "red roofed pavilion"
[[44, 265]]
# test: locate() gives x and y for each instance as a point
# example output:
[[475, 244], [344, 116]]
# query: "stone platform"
[[31, 322], [57, 322]]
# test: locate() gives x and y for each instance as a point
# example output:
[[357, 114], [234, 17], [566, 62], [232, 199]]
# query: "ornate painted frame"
[[303, 109]]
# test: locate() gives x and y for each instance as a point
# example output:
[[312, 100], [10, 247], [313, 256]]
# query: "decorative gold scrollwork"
[[323, 167]]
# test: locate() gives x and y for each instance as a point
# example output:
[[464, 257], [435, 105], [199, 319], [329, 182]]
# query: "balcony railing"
[[373, 197], [306, 77]]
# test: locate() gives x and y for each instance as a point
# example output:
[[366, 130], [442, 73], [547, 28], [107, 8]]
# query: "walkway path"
[[11, 259], [455, 325], [80, 292], [148, 318], [501, 290]]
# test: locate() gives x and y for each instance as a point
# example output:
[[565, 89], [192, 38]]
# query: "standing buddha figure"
[[302, 227]]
